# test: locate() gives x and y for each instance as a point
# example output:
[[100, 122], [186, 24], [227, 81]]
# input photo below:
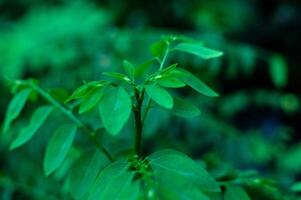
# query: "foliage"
[[244, 144], [116, 100]]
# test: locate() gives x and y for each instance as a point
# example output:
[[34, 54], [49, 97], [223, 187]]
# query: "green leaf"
[[236, 193], [15, 107], [168, 190], [170, 82], [194, 82], [144, 68], [180, 38], [168, 69], [159, 95], [118, 76], [164, 73], [129, 69], [79, 92], [58, 147], [84, 89], [263, 189], [184, 108], [278, 71], [114, 183], [90, 99], [158, 48], [198, 50], [179, 164], [37, 119], [115, 109], [84, 173]]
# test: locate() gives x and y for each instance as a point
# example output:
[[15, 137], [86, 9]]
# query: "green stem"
[[88, 130], [164, 57], [138, 121], [161, 67], [146, 110]]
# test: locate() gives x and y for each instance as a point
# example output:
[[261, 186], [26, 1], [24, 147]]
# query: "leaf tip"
[[47, 172], [215, 94], [13, 146]]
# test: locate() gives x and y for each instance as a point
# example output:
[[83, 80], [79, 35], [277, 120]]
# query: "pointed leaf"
[[144, 68], [115, 109], [37, 119], [184, 108], [236, 193], [58, 147], [15, 107], [159, 95], [129, 69], [194, 82], [198, 50], [84, 173], [168, 69], [178, 163], [91, 99], [170, 82], [118, 76], [162, 73], [158, 48], [180, 38], [84, 89], [114, 182]]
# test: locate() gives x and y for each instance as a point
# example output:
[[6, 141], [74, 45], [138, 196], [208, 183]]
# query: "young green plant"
[[134, 92]]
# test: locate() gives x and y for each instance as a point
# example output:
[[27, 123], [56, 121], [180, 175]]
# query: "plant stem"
[[146, 110], [164, 57], [88, 130], [161, 67], [138, 121]]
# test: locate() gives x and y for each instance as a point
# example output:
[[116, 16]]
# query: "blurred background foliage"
[[254, 125]]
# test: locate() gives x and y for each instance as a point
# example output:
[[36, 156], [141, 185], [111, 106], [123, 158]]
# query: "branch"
[[88, 130]]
